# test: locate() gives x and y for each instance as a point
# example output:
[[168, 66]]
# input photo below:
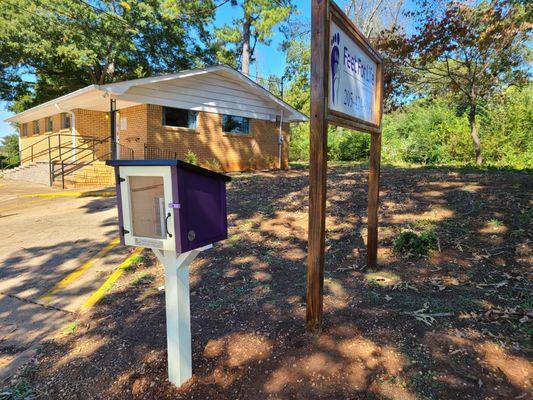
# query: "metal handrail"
[[152, 152], [68, 146], [79, 163], [78, 149], [67, 168], [34, 154], [90, 150]]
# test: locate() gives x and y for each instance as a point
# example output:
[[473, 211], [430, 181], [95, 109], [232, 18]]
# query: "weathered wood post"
[[346, 90], [373, 200], [317, 166]]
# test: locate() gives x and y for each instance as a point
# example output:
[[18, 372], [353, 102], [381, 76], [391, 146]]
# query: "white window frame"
[[169, 243]]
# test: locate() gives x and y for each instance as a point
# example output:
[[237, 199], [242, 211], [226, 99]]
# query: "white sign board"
[[353, 78]]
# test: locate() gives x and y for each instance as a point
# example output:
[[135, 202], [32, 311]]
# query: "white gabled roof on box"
[[219, 89]]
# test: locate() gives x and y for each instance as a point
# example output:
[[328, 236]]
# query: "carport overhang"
[[93, 97]]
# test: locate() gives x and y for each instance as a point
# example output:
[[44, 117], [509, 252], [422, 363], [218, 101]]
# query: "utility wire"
[[73, 18], [113, 15]]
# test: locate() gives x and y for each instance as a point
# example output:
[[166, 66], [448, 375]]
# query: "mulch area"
[[455, 324]]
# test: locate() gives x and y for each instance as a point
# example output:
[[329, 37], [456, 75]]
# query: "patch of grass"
[[232, 239], [424, 382], [370, 296], [70, 328], [135, 262], [216, 304], [130, 268], [494, 223], [424, 225], [527, 303], [518, 232], [241, 289], [415, 243], [142, 279], [138, 259], [22, 390], [409, 301]]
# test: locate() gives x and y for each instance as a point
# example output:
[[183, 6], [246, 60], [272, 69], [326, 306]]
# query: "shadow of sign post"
[[347, 91]]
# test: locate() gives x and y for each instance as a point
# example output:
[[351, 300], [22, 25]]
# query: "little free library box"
[[178, 210], [170, 204]]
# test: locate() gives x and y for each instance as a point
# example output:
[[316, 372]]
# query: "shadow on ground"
[[248, 310]]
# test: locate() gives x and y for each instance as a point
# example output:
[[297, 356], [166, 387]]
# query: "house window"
[[48, 124], [179, 117], [65, 121], [235, 124], [24, 129], [36, 127]]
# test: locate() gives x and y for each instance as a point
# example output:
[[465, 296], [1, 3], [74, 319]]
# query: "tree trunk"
[[473, 134], [245, 62]]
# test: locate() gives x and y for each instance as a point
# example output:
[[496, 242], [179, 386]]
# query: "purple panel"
[[203, 209]]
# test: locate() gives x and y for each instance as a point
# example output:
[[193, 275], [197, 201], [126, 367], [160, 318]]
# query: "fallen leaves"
[[402, 285], [497, 314], [427, 318]]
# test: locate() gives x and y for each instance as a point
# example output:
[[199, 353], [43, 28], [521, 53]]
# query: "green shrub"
[[213, 165], [142, 279], [347, 145], [299, 142], [414, 243], [191, 157], [437, 132]]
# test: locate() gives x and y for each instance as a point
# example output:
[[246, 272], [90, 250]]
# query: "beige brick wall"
[[232, 152], [92, 123], [87, 123], [39, 140], [135, 134]]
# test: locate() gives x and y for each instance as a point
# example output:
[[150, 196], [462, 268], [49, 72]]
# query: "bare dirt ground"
[[455, 324]]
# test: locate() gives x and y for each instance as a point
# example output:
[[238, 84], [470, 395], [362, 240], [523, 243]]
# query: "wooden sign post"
[[346, 90]]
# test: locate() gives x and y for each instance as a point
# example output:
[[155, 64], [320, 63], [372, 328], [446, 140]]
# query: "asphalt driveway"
[[56, 248]]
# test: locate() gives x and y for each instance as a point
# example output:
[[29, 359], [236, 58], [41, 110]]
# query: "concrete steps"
[[96, 174], [36, 172]]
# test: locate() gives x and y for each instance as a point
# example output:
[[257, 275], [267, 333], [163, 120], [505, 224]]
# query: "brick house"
[[215, 115]]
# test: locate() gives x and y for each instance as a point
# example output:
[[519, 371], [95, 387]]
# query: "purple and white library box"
[[178, 210], [170, 204]]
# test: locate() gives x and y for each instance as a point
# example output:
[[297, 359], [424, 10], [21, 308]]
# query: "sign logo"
[[334, 64]]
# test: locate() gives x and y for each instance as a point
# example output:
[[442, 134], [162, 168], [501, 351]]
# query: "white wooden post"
[[178, 312]]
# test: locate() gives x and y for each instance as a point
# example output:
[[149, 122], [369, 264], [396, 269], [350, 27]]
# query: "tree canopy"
[[259, 18], [471, 51], [68, 44]]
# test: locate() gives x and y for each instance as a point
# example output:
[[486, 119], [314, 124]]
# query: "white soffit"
[[218, 89]]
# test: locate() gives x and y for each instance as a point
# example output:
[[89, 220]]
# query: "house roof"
[[218, 89]]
